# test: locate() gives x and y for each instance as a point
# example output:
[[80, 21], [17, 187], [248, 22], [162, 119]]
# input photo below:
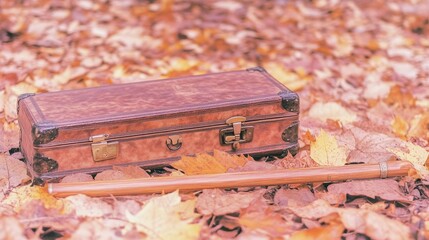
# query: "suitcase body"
[[153, 123]]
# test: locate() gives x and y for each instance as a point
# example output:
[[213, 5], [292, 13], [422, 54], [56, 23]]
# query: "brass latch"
[[237, 133], [103, 150]]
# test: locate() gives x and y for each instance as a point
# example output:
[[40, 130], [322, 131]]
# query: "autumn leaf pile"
[[361, 69]]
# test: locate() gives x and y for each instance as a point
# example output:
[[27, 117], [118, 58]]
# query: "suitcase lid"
[[157, 106]]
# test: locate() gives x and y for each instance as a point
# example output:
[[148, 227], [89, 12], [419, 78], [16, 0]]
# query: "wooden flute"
[[231, 180]]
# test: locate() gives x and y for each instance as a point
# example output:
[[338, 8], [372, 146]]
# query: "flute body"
[[231, 180]]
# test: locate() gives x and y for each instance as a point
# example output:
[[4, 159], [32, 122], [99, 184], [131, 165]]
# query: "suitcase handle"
[[174, 142]]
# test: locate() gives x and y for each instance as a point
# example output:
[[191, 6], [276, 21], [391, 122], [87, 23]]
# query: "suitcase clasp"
[[237, 133], [103, 150]]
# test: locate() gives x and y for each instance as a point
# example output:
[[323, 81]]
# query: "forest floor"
[[361, 69]]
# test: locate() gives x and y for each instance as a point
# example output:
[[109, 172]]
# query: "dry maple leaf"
[[292, 197], [21, 196], [368, 147], [77, 177], [96, 228], [374, 225], [400, 127], [219, 202], [398, 96], [332, 110], [12, 173], [208, 164], [387, 189], [11, 228], [414, 154], [231, 160], [332, 232], [2, 100], [268, 222], [200, 164], [12, 94], [10, 134], [163, 218], [120, 172], [419, 126], [290, 79], [85, 206], [121, 207], [261, 218], [332, 198], [326, 152]]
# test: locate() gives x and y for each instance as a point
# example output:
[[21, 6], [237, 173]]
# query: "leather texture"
[[150, 148], [57, 126], [215, 117]]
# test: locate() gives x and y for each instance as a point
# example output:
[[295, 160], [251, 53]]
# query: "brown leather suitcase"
[[153, 123]]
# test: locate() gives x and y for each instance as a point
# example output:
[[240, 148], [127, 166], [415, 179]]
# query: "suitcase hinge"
[[237, 133], [103, 150]]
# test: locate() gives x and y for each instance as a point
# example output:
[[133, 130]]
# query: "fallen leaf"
[[334, 231], [77, 177], [120, 172], [228, 5], [290, 79], [400, 52], [315, 210], [308, 137], [110, 174], [132, 171], [419, 126], [253, 166], [387, 189], [414, 154], [376, 207], [375, 88], [186, 209], [10, 107], [2, 100], [92, 62], [159, 219], [12, 171], [267, 222], [208, 164], [182, 64], [326, 152], [332, 110], [220, 202], [292, 197], [400, 127], [200, 164], [405, 69], [11, 228], [369, 147], [230, 160], [342, 44], [96, 229], [20, 196], [11, 102], [374, 225], [399, 96], [332, 198], [121, 207], [301, 160], [10, 134], [85, 206]]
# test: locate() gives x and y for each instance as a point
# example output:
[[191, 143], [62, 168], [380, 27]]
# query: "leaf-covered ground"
[[361, 69]]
